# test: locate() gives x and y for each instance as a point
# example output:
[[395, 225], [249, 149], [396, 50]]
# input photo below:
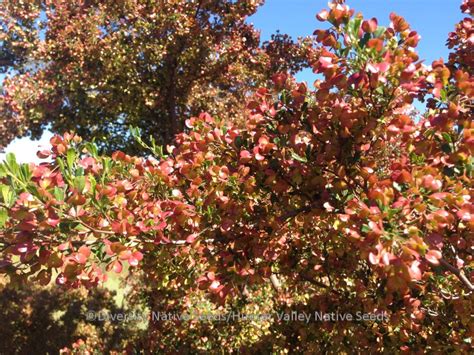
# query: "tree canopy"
[[97, 67]]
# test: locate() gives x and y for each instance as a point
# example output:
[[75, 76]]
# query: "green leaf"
[[71, 157], [3, 216], [392, 212], [58, 194], [470, 166], [12, 164], [93, 184], [8, 195], [447, 137], [79, 227], [80, 183], [134, 132], [61, 164], [10, 159], [429, 132], [92, 149], [107, 164], [4, 190], [444, 95], [298, 157], [25, 173], [354, 25], [156, 149], [379, 31]]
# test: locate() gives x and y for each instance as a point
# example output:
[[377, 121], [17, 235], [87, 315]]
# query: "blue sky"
[[433, 19]]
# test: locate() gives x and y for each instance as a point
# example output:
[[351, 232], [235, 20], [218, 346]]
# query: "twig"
[[94, 229], [275, 282], [318, 283], [458, 273]]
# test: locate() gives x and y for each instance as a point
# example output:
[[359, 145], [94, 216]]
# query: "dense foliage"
[[42, 320], [340, 199]]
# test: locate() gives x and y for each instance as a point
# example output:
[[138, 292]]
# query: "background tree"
[[337, 199], [98, 67]]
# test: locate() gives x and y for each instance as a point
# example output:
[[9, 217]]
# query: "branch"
[[6, 62], [94, 229], [459, 274], [275, 282], [318, 283], [183, 242]]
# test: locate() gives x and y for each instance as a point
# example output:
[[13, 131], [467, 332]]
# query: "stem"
[[94, 229], [459, 274], [317, 283], [275, 282]]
